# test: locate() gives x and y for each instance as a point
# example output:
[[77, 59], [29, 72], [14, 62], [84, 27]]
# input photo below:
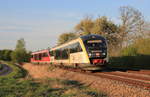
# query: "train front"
[[96, 48]]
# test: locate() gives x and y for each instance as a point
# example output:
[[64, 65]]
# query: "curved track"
[[135, 78]]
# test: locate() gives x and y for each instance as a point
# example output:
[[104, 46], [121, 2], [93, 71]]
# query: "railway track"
[[136, 79], [143, 82]]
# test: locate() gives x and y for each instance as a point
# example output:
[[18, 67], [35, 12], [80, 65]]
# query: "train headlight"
[[103, 53], [90, 54]]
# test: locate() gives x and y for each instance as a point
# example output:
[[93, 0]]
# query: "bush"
[[1, 66], [129, 51], [136, 55]]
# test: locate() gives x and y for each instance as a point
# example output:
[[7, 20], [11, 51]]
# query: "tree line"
[[19, 55]]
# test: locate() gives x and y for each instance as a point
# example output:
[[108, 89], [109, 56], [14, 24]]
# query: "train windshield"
[[95, 45]]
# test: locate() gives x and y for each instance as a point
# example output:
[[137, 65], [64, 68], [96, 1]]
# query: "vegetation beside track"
[[20, 84], [1, 66], [135, 56]]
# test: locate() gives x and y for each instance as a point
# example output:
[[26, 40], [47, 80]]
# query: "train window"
[[36, 57], [51, 53], [58, 54], [76, 47], [65, 53], [40, 56], [62, 53], [79, 49], [95, 44], [44, 55]]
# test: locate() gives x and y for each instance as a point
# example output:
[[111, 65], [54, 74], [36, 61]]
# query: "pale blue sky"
[[40, 22]]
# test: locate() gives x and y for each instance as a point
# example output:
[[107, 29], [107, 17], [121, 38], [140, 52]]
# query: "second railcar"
[[40, 57]]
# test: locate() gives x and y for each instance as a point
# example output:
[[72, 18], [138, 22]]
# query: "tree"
[[5, 54], [85, 26], [103, 26], [132, 22], [19, 54], [66, 37], [146, 31], [106, 28]]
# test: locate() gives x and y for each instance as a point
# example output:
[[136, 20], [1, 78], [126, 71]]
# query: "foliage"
[[129, 51], [15, 85], [101, 26], [85, 26], [66, 37], [1, 66], [143, 46], [20, 54], [132, 23], [139, 47], [136, 55], [5, 55]]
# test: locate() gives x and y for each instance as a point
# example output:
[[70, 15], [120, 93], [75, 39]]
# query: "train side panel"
[[40, 57]]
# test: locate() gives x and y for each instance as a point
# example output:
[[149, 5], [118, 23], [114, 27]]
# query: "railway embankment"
[[19, 83], [113, 88]]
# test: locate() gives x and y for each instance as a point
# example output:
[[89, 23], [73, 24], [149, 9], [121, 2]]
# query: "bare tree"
[[132, 25], [146, 32], [132, 22]]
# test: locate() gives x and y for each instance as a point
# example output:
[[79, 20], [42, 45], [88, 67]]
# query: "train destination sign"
[[94, 41]]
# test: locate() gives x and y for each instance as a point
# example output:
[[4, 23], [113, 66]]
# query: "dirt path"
[[111, 87]]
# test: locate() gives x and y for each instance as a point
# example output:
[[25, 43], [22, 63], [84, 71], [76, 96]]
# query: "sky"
[[40, 22]]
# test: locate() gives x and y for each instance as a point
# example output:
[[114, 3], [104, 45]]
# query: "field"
[[20, 84]]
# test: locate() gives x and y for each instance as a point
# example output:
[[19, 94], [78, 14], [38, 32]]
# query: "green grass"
[[17, 84]]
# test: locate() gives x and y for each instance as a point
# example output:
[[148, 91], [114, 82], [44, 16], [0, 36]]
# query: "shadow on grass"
[[138, 62]]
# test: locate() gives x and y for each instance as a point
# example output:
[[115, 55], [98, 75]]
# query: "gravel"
[[110, 87]]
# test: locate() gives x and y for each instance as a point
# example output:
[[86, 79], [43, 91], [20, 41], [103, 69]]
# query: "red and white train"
[[40, 57], [87, 52]]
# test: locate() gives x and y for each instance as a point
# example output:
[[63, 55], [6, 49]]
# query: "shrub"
[[1, 66], [136, 55], [129, 51]]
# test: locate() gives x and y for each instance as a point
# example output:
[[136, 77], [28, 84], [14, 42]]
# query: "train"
[[88, 52]]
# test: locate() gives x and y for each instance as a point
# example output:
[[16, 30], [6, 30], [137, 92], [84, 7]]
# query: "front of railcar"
[[96, 48]]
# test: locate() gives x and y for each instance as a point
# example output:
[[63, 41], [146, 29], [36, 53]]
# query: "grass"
[[17, 84]]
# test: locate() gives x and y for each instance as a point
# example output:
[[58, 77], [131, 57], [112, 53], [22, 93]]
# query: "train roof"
[[85, 37], [40, 51], [94, 36]]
